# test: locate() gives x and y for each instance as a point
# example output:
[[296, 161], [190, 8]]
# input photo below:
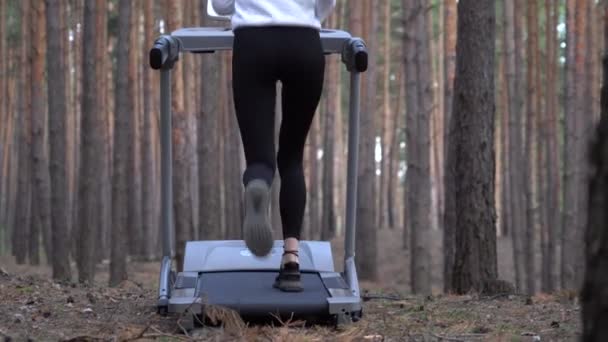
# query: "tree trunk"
[[421, 257], [41, 187], [530, 141], [57, 124], [594, 296], [570, 193], [181, 139], [104, 173], [149, 193], [366, 247], [418, 90], [551, 147], [387, 120], [329, 117], [504, 142], [3, 117], [313, 183], [518, 100], [449, 69], [134, 210], [471, 153], [208, 144], [12, 137], [91, 159], [232, 152], [21, 234], [120, 187]]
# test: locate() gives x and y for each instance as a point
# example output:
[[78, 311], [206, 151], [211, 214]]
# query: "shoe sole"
[[256, 226], [288, 286]]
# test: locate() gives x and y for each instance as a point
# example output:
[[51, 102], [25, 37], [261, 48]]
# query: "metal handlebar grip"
[[158, 55], [355, 55], [164, 53]]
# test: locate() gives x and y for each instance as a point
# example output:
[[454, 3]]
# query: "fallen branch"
[[459, 338], [366, 298]]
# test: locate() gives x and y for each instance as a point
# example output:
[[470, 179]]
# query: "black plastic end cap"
[[361, 61], [156, 58]]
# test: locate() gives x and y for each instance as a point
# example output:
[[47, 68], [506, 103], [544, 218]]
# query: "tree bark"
[[3, 116], [552, 172], [57, 124], [21, 226], [41, 185], [134, 210], [208, 144], [329, 117], [104, 173], [530, 141], [366, 247], [181, 175], [232, 152], [91, 160], [594, 297], [387, 119], [449, 42], [118, 263], [471, 152], [149, 194]]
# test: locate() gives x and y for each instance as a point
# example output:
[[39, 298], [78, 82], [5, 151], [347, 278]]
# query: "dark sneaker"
[[288, 279], [256, 225]]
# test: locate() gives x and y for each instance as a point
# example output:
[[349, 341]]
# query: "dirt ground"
[[34, 307]]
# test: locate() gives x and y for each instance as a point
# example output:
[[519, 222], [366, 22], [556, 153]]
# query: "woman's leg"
[[302, 78], [254, 80]]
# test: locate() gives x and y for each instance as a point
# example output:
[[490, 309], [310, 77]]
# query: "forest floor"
[[34, 307]]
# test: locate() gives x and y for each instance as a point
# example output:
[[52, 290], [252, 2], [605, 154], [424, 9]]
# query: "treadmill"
[[226, 273]]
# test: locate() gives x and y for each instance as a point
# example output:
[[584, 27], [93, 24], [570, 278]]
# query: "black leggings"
[[262, 56]]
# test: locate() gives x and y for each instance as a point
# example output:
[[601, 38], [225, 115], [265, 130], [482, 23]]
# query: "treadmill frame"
[[177, 291]]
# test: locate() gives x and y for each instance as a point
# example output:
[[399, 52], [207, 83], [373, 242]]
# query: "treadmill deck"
[[251, 294]]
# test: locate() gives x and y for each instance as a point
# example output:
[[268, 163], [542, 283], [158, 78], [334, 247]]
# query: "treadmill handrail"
[[210, 39]]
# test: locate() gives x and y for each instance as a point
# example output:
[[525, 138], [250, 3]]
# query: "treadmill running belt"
[[252, 294]]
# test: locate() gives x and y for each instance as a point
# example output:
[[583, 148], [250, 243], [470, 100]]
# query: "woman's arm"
[[323, 8], [223, 7]]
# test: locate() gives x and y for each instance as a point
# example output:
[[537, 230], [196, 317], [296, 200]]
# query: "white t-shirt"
[[307, 13]]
